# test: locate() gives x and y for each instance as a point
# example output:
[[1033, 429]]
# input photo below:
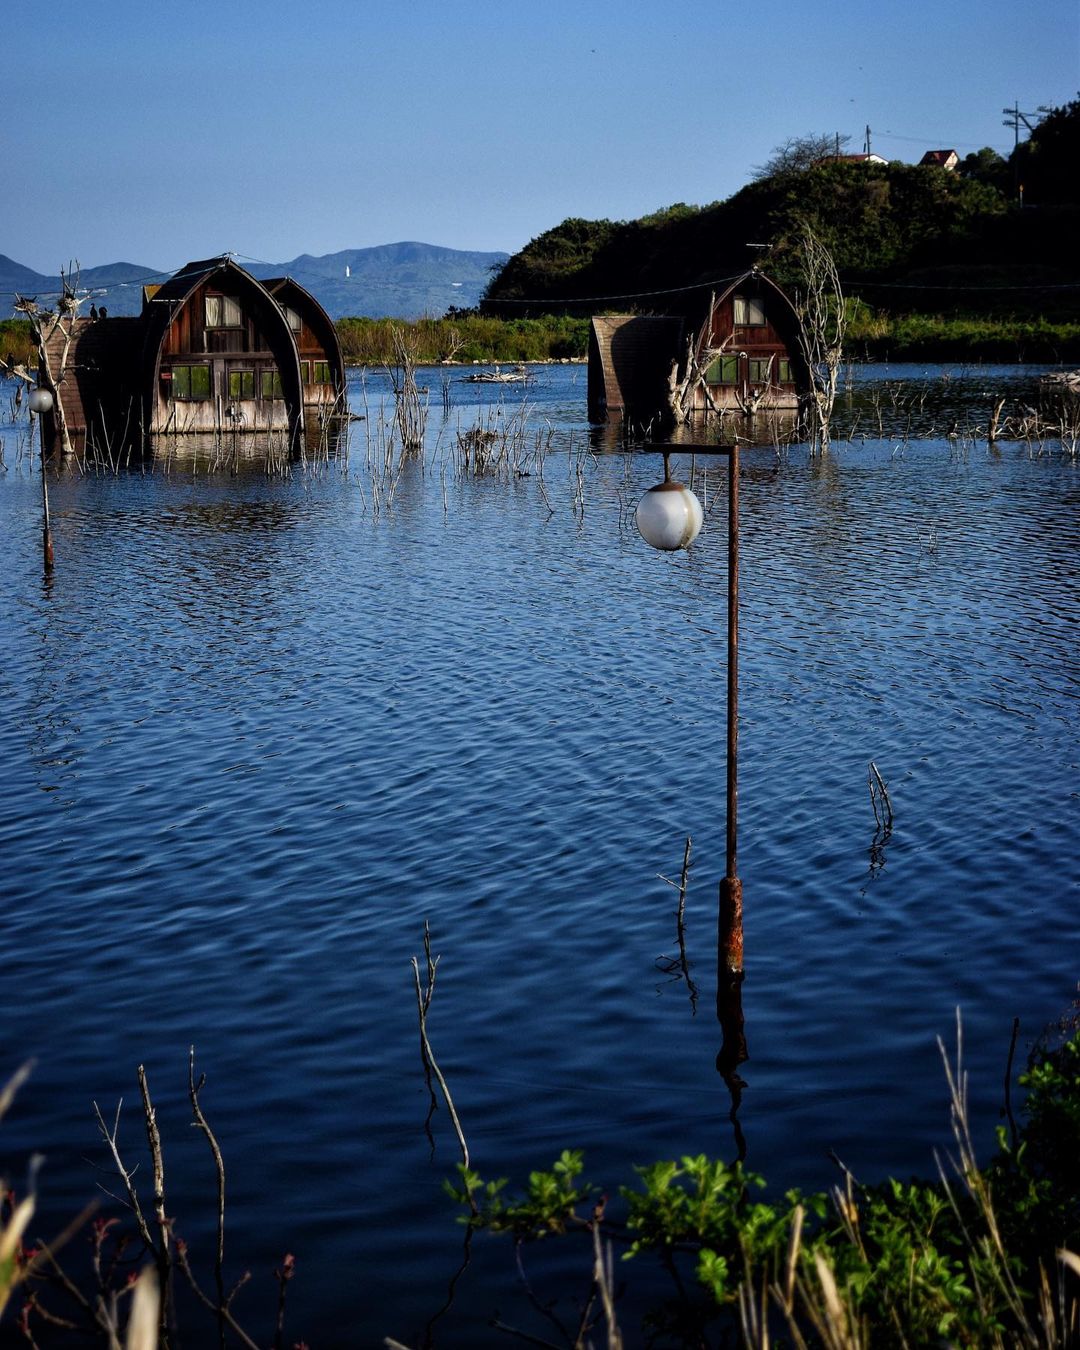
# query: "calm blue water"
[[257, 729]]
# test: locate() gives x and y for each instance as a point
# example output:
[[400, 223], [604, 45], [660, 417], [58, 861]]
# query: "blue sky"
[[154, 133]]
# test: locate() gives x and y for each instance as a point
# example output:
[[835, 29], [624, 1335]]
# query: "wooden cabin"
[[213, 351], [738, 353], [746, 357], [218, 354]]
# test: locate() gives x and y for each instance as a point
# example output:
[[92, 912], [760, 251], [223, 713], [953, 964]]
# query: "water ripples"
[[256, 733]]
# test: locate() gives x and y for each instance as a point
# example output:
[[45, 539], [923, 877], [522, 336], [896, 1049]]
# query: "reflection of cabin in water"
[[738, 353], [213, 350]]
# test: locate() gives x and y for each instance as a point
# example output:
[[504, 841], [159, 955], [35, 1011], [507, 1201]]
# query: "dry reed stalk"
[[966, 1167], [145, 1313], [604, 1279]]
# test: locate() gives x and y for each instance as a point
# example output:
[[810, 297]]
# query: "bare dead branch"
[[423, 1003], [194, 1088], [879, 793], [126, 1177]]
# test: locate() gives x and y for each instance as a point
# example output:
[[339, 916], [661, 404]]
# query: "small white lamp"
[[669, 515]]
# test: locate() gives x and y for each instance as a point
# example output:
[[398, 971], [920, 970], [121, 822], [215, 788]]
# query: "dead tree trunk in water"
[[45, 325], [684, 383], [819, 304], [410, 411]]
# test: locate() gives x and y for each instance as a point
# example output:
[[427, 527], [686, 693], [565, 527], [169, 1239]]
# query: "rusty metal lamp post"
[[669, 517], [41, 402]]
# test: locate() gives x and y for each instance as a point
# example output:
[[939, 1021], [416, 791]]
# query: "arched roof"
[[288, 291], [781, 314]]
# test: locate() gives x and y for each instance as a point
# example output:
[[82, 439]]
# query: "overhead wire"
[[101, 290]]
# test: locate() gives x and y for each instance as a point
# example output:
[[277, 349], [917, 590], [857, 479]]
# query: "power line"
[[919, 286], [622, 295], [101, 290]]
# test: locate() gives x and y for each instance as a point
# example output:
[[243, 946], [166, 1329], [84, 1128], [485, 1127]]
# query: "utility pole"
[[1013, 118], [868, 140]]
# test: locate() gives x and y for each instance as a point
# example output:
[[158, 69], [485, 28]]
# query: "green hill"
[[908, 239]]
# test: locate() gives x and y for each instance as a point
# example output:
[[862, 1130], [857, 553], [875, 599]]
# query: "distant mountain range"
[[402, 281]]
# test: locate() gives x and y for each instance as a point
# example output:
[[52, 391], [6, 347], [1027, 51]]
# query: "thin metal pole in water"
[[46, 531], [730, 922], [729, 930]]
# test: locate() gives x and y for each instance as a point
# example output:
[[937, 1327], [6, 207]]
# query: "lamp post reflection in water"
[[669, 516], [41, 402]]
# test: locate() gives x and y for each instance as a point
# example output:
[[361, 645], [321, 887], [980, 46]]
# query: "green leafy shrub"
[[967, 1262]]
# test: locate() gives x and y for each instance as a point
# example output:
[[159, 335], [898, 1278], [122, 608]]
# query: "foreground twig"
[[604, 1276], [226, 1313], [1013, 1133], [423, 1003], [126, 1177], [194, 1088], [157, 1161], [879, 793]]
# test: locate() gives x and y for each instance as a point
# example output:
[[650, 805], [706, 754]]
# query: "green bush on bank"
[[957, 338], [17, 342], [872, 335], [465, 337], [982, 1259]]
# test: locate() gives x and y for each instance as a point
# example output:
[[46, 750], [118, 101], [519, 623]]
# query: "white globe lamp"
[[40, 401], [669, 516]]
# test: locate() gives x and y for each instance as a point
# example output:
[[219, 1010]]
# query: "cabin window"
[[724, 370], [320, 372], [784, 375], [271, 384], [241, 384], [760, 369], [223, 311], [292, 318], [190, 382], [305, 373], [749, 312]]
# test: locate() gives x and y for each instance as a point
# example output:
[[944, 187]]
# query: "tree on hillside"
[[799, 153], [883, 218], [550, 261], [986, 166], [1046, 164]]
